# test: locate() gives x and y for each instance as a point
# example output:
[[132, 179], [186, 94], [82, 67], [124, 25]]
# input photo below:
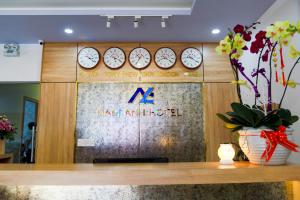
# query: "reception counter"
[[145, 174]]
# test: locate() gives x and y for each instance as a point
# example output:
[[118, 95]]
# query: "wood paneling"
[[101, 73], [216, 98], [292, 190], [59, 62], [216, 68], [56, 123], [57, 104], [151, 74], [145, 174], [177, 73], [296, 190]]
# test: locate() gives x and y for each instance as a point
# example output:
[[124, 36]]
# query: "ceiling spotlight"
[[68, 31], [135, 24], [108, 24], [136, 21], [215, 31], [163, 21], [109, 20]]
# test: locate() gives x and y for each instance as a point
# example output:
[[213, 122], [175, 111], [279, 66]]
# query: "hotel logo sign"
[[146, 96]]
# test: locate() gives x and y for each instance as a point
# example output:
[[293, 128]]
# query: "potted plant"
[[7, 131], [264, 129]]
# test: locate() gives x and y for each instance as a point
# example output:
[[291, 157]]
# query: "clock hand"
[[165, 58], [160, 59], [138, 60], [193, 59], [90, 58], [169, 60], [115, 58]]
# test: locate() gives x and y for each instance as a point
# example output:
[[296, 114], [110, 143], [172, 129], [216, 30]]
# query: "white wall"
[[26, 68], [281, 10]]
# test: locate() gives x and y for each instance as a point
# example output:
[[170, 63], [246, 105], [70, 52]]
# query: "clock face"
[[165, 58], [114, 58], [140, 58], [191, 58], [88, 57]]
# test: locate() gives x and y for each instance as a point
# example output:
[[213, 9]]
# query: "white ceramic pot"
[[253, 146]]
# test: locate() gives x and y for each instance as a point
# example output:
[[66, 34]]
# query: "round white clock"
[[139, 58], [191, 58], [114, 58], [165, 58], [88, 57]]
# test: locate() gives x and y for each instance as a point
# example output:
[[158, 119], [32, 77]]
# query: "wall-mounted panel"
[[56, 123], [152, 73], [171, 127], [217, 98], [59, 62], [216, 68]]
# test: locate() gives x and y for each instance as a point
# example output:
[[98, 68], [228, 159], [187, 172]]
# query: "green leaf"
[[273, 122], [294, 119], [284, 113], [236, 128], [238, 120], [224, 118], [260, 114], [244, 112]]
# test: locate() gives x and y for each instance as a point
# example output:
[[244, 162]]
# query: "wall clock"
[[88, 57], [139, 58], [191, 58], [114, 58], [165, 58]]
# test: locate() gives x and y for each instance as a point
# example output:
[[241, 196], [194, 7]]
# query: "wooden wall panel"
[[151, 74], [56, 129], [216, 98], [177, 73], [59, 62], [58, 97], [216, 68], [101, 73], [296, 190]]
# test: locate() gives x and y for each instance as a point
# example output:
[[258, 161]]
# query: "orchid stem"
[[258, 67], [270, 78], [236, 76], [288, 79]]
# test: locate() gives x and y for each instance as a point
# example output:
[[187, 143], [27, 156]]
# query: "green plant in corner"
[[243, 115]]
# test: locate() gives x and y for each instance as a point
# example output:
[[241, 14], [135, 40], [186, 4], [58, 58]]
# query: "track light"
[[109, 20], [163, 21], [136, 21], [163, 24], [135, 24], [108, 24]]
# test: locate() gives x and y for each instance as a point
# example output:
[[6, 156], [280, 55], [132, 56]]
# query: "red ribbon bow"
[[273, 139]]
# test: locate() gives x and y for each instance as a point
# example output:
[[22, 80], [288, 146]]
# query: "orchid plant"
[[268, 45]]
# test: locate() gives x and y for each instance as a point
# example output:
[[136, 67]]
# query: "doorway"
[[27, 147]]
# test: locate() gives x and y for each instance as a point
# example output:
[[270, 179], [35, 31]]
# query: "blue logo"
[[148, 93]]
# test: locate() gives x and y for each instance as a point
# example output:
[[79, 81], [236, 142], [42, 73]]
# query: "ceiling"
[[206, 15], [96, 7]]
